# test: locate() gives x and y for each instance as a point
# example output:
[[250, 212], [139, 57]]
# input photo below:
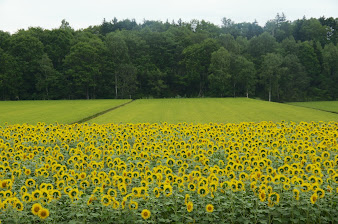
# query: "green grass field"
[[50, 111], [321, 105], [220, 110]]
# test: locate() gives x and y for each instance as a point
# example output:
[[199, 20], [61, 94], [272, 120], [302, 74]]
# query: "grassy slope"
[[62, 111], [321, 105], [211, 110]]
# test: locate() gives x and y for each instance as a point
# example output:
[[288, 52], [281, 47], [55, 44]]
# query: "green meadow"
[[197, 110], [320, 105], [204, 110], [50, 111]]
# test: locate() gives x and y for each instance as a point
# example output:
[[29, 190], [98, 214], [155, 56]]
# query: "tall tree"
[[309, 60], [261, 45], [83, 68], [196, 62], [293, 82], [28, 51], [244, 75], [219, 69], [331, 26], [127, 80], [228, 42], [117, 51], [57, 45], [46, 77], [330, 64], [10, 76], [271, 72]]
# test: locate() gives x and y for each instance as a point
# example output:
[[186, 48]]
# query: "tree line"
[[282, 61]]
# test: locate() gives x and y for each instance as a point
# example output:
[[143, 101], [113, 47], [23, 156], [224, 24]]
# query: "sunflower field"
[[267, 172]]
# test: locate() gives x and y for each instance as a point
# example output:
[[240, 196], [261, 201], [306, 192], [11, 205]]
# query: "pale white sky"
[[21, 14]]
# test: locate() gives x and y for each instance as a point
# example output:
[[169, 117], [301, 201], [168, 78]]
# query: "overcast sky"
[[48, 14]]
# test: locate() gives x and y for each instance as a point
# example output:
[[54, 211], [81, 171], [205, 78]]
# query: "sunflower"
[[320, 192], [190, 206], [36, 195], [123, 189], [145, 214], [314, 198], [274, 197], [36, 208], [28, 172], [30, 183], [116, 204], [84, 184], [133, 205], [26, 197], [262, 195], [55, 194], [296, 194], [209, 208], [156, 192], [105, 200], [203, 191], [18, 205], [286, 186], [73, 193], [240, 185], [306, 187], [233, 185], [91, 199], [112, 192], [192, 187], [43, 213], [167, 190]]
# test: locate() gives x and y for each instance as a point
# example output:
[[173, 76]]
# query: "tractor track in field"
[[101, 113]]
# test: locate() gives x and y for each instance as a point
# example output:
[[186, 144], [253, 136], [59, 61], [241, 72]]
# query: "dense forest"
[[282, 61]]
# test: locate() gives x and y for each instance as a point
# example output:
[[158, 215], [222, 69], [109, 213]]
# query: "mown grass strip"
[[101, 113], [328, 106]]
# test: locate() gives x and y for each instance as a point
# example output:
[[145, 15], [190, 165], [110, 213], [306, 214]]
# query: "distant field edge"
[[101, 113]]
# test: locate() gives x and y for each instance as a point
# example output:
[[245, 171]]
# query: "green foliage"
[[170, 59]]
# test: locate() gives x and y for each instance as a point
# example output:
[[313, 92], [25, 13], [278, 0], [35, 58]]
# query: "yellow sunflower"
[[209, 208], [30, 183], [190, 206], [296, 194], [262, 195], [167, 190], [91, 199], [203, 191], [314, 198], [156, 192], [18, 205], [145, 214], [43, 213], [36, 208], [105, 200], [133, 205]]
